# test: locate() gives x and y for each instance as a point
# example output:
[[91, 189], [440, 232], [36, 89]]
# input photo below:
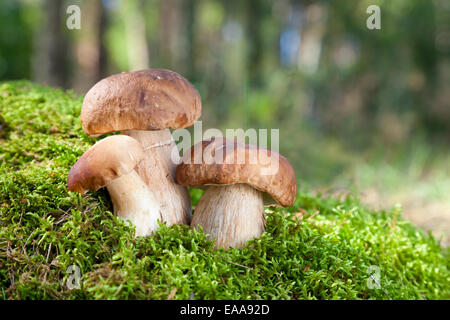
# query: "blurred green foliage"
[[310, 68], [16, 40]]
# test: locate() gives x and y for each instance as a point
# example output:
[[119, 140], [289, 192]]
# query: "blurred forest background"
[[358, 110]]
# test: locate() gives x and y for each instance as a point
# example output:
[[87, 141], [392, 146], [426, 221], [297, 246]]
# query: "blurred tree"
[[136, 40], [91, 55], [190, 9], [51, 58], [255, 12]]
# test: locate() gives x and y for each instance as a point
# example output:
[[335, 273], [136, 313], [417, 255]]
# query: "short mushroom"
[[232, 209], [145, 105], [111, 163]]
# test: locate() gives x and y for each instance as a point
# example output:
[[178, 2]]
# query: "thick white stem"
[[231, 214], [157, 170], [133, 201]]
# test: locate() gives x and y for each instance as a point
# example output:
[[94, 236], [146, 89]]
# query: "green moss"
[[323, 253]]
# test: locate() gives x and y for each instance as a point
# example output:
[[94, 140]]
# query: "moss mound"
[[321, 248]]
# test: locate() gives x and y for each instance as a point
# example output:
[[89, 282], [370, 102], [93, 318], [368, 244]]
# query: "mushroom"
[[111, 163], [232, 209], [144, 105]]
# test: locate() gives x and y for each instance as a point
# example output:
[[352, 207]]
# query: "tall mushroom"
[[111, 163], [145, 105], [232, 208]]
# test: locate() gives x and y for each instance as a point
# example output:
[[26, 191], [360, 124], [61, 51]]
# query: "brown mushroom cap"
[[105, 161], [152, 99], [197, 170]]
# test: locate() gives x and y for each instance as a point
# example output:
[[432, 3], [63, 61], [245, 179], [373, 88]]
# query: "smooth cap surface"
[[152, 99], [221, 161], [105, 161]]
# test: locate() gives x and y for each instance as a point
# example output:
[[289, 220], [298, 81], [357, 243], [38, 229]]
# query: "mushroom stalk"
[[133, 201], [230, 214], [157, 170]]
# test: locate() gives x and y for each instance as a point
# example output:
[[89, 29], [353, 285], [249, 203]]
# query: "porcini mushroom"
[[145, 105], [111, 163], [232, 209]]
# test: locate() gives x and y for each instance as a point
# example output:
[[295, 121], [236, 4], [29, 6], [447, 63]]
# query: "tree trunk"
[[51, 60], [136, 40], [90, 49]]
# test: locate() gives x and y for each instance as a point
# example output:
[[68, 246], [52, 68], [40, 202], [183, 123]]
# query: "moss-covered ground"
[[321, 248]]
